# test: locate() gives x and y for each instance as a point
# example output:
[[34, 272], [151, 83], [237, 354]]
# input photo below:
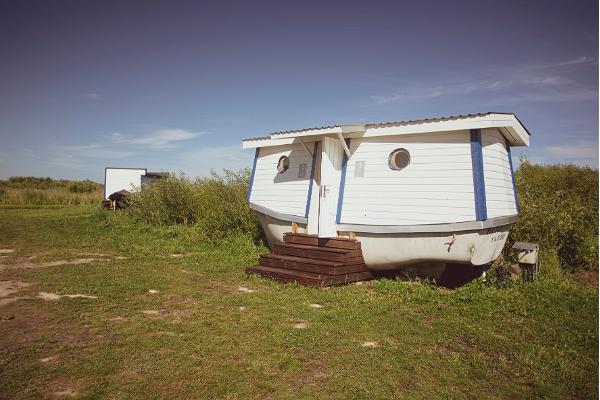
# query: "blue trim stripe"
[[312, 178], [252, 176], [338, 215], [478, 180], [512, 175]]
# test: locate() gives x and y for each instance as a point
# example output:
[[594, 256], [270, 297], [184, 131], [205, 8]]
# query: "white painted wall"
[[122, 179], [437, 186], [499, 192], [284, 193]]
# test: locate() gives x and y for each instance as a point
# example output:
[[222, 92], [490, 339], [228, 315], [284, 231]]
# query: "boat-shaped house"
[[439, 189]]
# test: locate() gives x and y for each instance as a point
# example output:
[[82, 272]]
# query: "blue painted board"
[[478, 178], [338, 215], [252, 175]]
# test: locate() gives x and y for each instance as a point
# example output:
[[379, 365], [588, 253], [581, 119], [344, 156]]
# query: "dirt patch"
[[10, 287], [56, 297], [587, 278], [27, 264], [9, 300], [368, 344], [62, 387], [180, 315], [117, 319], [439, 349], [153, 313], [300, 325], [94, 254], [28, 325], [166, 333], [6, 251], [71, 262], [65, 393]]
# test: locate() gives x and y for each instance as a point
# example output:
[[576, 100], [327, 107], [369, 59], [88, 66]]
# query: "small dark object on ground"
[[502, 275], [120, 199]]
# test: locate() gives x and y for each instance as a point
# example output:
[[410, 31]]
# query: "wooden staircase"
[[313, 261]]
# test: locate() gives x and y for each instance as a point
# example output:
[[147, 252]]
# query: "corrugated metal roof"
[[307, 129], [409, 121]]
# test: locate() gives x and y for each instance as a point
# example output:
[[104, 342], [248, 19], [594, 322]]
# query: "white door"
[[331, 169]]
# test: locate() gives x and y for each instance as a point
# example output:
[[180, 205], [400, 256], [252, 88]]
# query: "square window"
[[302, 171], [359, 169]]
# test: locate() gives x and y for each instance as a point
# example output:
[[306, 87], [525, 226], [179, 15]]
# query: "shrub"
[[216, 205], [559, 210]]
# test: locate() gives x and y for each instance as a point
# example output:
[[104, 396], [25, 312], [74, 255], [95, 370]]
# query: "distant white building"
[[439, 189], [130, 179]]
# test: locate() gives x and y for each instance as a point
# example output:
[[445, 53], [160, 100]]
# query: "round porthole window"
[[283, 164], [399, 159]]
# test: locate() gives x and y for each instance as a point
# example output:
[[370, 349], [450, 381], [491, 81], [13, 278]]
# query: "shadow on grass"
[[450, 276]]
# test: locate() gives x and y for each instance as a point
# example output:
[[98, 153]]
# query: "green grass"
[[524, 341]]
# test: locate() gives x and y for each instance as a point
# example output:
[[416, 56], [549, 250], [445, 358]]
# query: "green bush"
[[216, 205], [559, 210]]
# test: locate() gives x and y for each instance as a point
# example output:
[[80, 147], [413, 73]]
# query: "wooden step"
[[310, 265], [309, 278], [313, 261], [314, 240], [320, 253], [347, 261]]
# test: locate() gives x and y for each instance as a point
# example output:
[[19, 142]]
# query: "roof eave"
[[514, 131]]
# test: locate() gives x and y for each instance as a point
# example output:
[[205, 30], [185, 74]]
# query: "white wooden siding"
[[284, 193], [499, 192], [122, 179], [437, 186]]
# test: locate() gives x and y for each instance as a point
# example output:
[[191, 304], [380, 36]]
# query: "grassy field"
[[33, 191], [203, 335]]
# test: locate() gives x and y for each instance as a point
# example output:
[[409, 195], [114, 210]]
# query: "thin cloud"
[[528, 83], [93, 150], [578, 151], [67, 163], [159, 139], [575, 61], [30, 153], [92, 96]]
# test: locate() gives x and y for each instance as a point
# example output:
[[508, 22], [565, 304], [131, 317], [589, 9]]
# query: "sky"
[[176, 85]]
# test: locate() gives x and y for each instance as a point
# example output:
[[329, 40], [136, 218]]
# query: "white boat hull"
[[389, 251]]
